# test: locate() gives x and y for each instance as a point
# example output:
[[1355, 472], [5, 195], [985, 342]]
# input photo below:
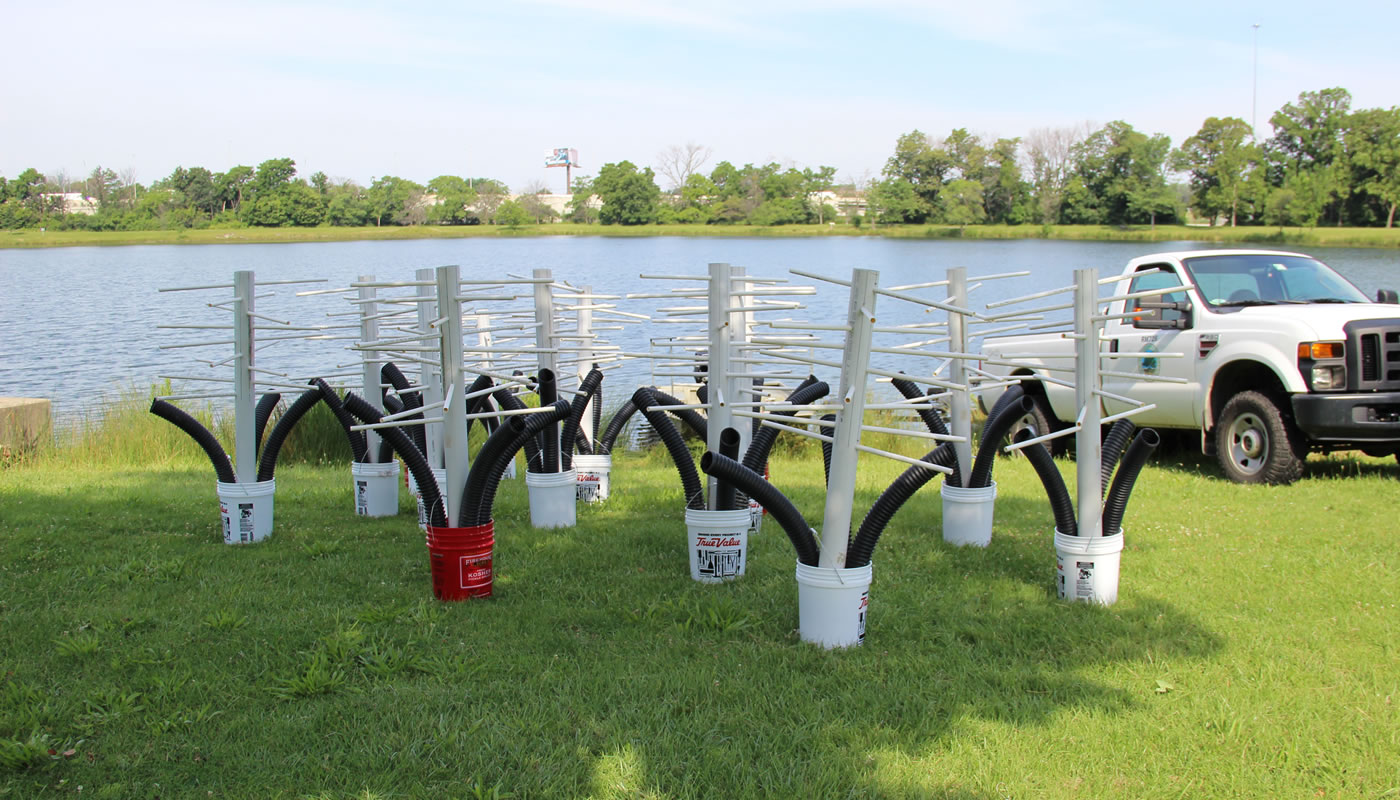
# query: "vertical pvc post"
[[430, 376], [245, 433], [961, 401], [371, 387], [544, 333], [721, 332], [456, 457], [544, 316], [740, 325], [585, 363], [1086, 381], [841, 486]]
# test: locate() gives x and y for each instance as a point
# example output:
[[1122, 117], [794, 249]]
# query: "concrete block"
[[24, 422]]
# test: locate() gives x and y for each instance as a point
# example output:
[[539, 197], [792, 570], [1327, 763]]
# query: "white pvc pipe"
[[1088, 447], [244, 402], [841, 484]]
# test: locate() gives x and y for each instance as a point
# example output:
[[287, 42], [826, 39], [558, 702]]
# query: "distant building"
[[72, 202]]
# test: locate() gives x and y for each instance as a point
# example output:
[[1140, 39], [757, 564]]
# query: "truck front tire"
[[1256, 443]]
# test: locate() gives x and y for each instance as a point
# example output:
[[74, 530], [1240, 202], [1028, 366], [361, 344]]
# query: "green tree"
[[581, 207], [512, 215], [102, 185], [1117, 164], [630, 196], [1308, 148], [921, 165], [453, 202], [273, 174], [1219, 159], [963, 203], [233, 185], [1373, 146], [390, 200], [490, 194], [348, 205], [1006, 196], [894, 201]]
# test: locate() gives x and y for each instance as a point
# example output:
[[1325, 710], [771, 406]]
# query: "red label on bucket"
[[475, 571]]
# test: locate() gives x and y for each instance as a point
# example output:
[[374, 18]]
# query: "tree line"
[[1324, 164]]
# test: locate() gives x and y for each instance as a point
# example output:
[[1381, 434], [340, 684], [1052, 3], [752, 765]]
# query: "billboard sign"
[[561, 157]]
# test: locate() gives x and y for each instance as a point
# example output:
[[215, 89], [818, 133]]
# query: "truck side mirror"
[[1153, 316], [1387, 296]]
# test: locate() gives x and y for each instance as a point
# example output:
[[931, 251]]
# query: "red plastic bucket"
[[460, 560]]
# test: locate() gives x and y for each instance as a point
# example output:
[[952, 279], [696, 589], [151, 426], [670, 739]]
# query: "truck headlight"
[[1329, 378]]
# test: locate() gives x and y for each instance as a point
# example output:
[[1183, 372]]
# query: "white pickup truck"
[[1276, 355]]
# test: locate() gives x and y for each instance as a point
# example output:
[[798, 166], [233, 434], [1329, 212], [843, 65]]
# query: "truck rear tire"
[[1040, 420], [1256, 443]]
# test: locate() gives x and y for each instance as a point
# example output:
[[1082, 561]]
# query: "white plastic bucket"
[[552, 498], [1086, 567], [246, 510], [376, 488], [832, 604], [718, 544], [967, 514], [594, 477], [756, 514], [440, 476]]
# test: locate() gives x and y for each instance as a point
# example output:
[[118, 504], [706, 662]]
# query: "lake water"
[[78, 324]]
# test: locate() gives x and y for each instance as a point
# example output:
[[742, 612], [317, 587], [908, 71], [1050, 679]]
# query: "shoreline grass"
[[1252, 652], [1324, 237]]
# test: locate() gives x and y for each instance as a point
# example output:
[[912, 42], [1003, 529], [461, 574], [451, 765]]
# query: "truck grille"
[[1375, 354]]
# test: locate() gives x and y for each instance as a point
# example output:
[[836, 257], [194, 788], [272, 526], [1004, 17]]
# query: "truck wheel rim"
[[1249, 443]]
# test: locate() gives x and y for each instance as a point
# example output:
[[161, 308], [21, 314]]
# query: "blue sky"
[[360, 90]]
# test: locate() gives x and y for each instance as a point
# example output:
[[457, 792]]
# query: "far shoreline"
[[1380, 238]]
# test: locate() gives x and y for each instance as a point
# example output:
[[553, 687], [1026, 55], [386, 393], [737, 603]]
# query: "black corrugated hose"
[[569, 433], [491, 451], [1117, 501], [509, 402], [826, 448], [478, 404], [416, 462], [692, 420], [548, 391], [262, 414], [675, 445], [358, 448], [803, 539], [392, 405], [996, 427], [267, 461], [597, 412], [172, 414], [726, 496], [411, 399], [1053, 482], [477, 511], [862, 547], [581, 444], [931, 419], [761, 445], [1118, 436], [615, 426]]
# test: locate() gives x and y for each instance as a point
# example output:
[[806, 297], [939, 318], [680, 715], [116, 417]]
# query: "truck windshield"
[[1268, 279]]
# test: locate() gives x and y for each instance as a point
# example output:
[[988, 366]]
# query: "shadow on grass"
[[708, 686]]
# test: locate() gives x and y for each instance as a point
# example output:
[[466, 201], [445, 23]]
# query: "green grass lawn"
[[1334, 237], [1254, 650]]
